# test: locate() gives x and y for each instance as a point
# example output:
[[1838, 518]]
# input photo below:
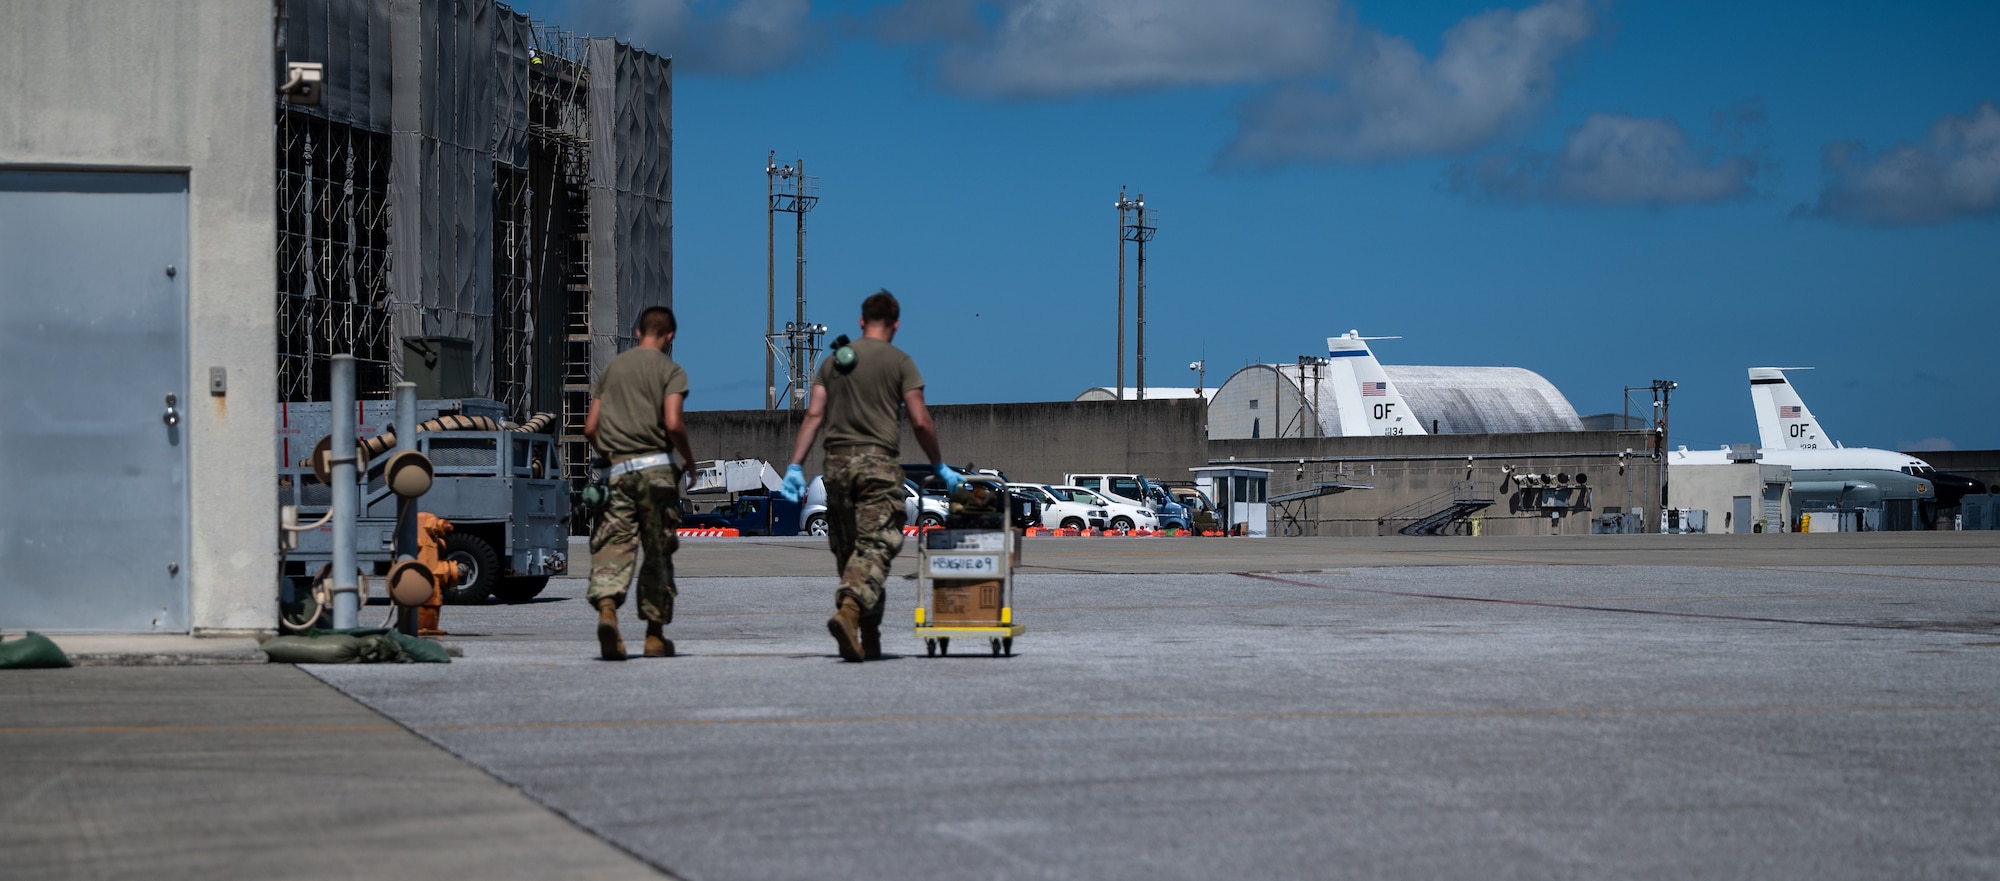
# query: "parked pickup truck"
[[749, 515]]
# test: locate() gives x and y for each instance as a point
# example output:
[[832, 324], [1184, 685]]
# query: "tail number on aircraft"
[[1382, 411], [1799, 429]]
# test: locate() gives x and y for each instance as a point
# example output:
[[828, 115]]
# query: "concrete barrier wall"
[[1036, 442], [1163, 439]]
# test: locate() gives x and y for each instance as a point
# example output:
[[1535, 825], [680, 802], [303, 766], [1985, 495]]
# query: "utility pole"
[[1136, 226], [1656, 438], [789, 190], [770, 279], [1123, 205], [1663, 392]]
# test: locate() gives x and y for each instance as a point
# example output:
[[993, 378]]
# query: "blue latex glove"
[[794, 486], [950, 478]]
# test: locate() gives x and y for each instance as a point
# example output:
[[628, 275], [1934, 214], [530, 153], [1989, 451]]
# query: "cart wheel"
[[996, 646], [944, 645], [930, 648], [1007, 646]]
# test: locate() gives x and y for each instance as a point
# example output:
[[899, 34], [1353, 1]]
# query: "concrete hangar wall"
[[447, 187], [1163, 438], [121, 103]]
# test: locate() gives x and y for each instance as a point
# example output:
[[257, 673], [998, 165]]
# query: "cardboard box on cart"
[[965, 601]]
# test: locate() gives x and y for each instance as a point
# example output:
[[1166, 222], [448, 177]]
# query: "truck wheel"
[[816, 524], [520, 588], [478, 568]]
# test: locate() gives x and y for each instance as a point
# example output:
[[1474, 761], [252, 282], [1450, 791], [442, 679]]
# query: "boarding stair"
[[1445, 512]]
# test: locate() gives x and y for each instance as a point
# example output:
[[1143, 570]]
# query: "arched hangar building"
[[1290, 400]]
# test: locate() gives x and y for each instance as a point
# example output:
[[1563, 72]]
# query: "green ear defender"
[[843, 353]]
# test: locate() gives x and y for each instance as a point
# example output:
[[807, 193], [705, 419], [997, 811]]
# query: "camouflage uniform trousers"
[[641, 515], [865, 515]]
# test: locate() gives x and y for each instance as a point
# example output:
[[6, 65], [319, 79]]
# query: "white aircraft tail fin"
[[1783, 422], [1369, 403]]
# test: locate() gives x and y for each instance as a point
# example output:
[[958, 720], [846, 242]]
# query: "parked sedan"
[[1062, 509]]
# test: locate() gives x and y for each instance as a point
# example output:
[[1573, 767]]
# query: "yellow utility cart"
[[965, 572]]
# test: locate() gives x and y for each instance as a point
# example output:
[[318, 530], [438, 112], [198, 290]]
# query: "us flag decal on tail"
[[1374, 389]]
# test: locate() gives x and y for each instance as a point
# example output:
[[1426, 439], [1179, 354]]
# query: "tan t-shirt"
[[864, 404], [630, 395]]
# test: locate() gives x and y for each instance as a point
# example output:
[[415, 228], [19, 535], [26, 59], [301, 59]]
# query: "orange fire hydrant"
[[431, 530]]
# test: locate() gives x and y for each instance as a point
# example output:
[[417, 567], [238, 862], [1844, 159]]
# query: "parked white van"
[[1121, 514], [1132, 489]]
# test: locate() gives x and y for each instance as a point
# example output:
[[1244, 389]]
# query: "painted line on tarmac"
[[1301, 715], [198, 729], [1843, 571], [1584, 607]]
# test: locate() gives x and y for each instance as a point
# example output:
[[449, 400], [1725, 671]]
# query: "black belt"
[[859, 450]]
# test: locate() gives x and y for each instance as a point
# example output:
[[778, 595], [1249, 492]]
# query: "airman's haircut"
[[881, 308], [657, 321]]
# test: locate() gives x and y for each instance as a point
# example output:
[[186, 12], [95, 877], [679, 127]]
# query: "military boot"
[[609, 643], [657, 643], [845, 626], [871, 639]]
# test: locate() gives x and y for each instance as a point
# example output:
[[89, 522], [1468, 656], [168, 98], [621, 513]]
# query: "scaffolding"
[[559, 152], [333, 256], [472, 174], [513, 289]]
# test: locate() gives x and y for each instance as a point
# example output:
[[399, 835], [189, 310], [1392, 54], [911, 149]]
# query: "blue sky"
[[1605, 193]]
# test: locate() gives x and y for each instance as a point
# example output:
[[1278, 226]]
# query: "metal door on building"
[[93, 443]]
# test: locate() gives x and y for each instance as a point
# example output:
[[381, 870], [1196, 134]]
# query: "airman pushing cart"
[[965, 571]]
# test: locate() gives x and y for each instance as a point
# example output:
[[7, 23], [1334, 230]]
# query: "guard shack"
[[1239, 493]]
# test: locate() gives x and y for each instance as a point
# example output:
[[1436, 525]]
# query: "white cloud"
[[1953, 175], [1056, 48], [1612, 159], [1390, 102], [727, 37]]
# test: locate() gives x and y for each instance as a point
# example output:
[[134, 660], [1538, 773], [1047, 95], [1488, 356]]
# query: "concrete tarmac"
[[253, 771], [1612, 706], [1520, 709]]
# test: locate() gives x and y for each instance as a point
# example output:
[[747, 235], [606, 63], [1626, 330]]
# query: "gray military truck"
[[499, 484]]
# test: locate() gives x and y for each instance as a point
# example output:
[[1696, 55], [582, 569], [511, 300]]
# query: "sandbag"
[[379, 648], [383, 645], [324, 648], [421, 650], [31, 652]]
